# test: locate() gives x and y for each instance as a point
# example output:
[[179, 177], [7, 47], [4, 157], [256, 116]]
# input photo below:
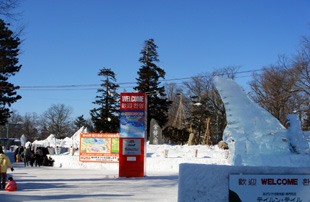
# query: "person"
[[16, 154], [32, 159], [27, 154], [51, 161], [21, 154], [38, 158], [45, 161], [4, 164], [11, 186]]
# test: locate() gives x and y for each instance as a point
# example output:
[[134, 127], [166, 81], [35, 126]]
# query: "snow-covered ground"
[[255, 138], [155, 159], [71, 180]]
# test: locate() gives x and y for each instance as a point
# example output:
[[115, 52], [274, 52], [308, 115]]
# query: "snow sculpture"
[[23, 140], [295, 135], [253, 135]]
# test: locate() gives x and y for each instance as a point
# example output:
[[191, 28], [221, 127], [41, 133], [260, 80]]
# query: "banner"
[[99, 147], [260, 188]]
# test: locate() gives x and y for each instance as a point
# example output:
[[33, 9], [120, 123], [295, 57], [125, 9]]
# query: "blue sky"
[[67, 42]]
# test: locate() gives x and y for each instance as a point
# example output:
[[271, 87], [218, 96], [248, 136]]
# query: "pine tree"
[[79, 122], [106, 116], [148, 82], [8, 67]]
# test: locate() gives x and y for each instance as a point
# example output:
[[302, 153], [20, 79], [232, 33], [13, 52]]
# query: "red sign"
[[133, 102]]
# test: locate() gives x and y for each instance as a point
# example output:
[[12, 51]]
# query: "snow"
[[258, 143], [51, 141], [71, 180]]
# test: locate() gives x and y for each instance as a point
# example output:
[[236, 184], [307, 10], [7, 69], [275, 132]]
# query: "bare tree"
[[204, 105], [29, 126], [12, 129], [274, 90], [57, 121], [8, 8], [301, 67]]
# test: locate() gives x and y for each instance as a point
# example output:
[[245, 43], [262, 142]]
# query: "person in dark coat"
[[32, 159], [45, 161], [38, 158], [27, 154], [21, 153], [15, 153]]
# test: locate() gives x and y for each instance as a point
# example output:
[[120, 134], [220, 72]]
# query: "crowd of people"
[[28, 156], [35, 158], [22, 154]]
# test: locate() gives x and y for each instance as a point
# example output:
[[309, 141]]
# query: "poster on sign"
[[132, 124], [99, 147], [295, 188]]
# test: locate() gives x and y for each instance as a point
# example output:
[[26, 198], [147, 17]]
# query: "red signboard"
[[132, 143], [133, 102]]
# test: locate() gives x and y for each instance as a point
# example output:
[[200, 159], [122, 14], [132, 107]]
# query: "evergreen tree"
[[106, 116], [148, 82], [8, 67], [79, 122]]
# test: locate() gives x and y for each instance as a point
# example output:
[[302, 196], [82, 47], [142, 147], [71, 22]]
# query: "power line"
[[88, 86]]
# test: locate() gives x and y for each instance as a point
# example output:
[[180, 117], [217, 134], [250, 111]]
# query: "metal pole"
[[7, 130]]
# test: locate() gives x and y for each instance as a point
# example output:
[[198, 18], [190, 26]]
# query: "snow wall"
[[200, 182]]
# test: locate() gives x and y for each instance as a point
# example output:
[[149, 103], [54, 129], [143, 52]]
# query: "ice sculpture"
[[253, 135]]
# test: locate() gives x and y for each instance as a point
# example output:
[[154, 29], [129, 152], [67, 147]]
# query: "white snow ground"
[[77, 181]]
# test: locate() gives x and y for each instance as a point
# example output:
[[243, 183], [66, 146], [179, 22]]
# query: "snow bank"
[[199, 182], [155, 160]]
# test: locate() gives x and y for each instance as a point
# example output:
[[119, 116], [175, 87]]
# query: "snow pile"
[[155, 158], [254, 136], [67, 142]]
